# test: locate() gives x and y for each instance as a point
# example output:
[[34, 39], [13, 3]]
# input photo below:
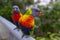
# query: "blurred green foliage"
[[51, 18], [47, 25]]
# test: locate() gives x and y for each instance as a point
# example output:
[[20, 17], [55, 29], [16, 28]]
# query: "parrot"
[[16, 15], [27, 20]]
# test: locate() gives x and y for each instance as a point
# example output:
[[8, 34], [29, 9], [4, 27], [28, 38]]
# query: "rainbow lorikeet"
[[27, 20], [16, 15]]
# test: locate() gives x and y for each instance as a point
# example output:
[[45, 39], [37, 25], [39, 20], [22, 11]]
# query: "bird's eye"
[[35, 10]]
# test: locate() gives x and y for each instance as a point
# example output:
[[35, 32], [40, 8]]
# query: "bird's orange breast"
[[27, 21]]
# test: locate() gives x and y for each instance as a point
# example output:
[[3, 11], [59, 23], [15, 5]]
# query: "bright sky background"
[[43, 2]]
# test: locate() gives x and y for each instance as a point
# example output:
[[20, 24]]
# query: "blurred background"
[[47, 26]]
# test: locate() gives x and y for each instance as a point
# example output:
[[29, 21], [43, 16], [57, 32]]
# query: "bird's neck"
[[16, 12]]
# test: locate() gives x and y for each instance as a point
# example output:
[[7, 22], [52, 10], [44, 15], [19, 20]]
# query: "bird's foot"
[[23, 35], [26, 36], [17, 29]]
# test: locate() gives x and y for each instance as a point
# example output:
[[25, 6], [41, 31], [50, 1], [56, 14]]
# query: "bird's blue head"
[[15, 8], [36, 11]]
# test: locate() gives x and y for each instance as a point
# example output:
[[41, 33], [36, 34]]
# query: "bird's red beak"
[[39, 13]]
